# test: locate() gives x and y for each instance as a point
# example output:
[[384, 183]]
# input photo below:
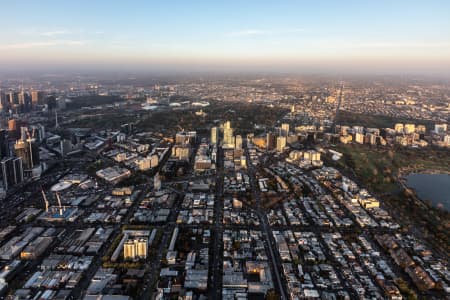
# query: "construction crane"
[[61, 211], [45, 200], [30, 138]]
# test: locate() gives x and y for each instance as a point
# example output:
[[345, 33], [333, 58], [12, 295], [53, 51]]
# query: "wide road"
[[215, 292], [267, 231]]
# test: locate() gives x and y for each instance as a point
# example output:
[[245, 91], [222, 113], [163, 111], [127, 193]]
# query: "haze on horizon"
[[310, 36]]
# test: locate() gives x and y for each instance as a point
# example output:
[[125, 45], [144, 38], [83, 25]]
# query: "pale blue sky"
[[266, 34]]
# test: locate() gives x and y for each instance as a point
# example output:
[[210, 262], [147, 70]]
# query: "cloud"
[[54, 33], [401, 45], [51, 43], [259, 32]]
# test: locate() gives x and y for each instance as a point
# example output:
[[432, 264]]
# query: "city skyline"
[[224, 150], [344, 37]]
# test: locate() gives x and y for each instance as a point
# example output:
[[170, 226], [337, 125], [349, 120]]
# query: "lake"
[[433, 187]]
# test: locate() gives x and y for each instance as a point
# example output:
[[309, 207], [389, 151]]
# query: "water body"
[[433, 187]]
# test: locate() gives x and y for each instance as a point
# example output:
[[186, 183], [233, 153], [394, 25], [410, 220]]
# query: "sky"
[[342, 36]]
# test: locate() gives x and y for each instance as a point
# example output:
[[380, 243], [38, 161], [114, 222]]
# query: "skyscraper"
[[13, 99], [28, 151], [21, 98], [228, 137], [21, 150], [4, 151], [270, 141], [238, 142], [37, 97], [3, 104], [12, 125], [285, 129], [281, 143], [12, 171], [38, 132], [214, 135]]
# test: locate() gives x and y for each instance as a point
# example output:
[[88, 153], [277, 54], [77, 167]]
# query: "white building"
[[440, 128]]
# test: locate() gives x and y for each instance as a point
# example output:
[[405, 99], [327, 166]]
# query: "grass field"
[[377, 167]]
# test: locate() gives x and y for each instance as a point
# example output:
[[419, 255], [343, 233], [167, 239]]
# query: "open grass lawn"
[[377, 167]]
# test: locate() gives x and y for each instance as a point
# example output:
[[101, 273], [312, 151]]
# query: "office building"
[[344, 130], [440, 128], [281, 143], [28, 151], [238, 142], [181, 138], [181, 152], [310, 155], [4, 151], [3, 104], [129, 250], [186, 137], [12, 171], [127, 128], [135, 249], [447, 140], [13, 99], [291, 139], [371, 139], [21, 98], [359, 138], [285, 129], [398, 128], [214, 135], [358, 129], [409, 128], [421, 129], [270, 141], [37, 97], [228, 137], [12, 125]]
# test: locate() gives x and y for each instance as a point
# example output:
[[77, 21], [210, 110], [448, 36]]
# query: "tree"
[[272, 295]]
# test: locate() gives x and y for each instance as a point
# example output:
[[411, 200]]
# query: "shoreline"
[[403, 172], [401, 178]]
